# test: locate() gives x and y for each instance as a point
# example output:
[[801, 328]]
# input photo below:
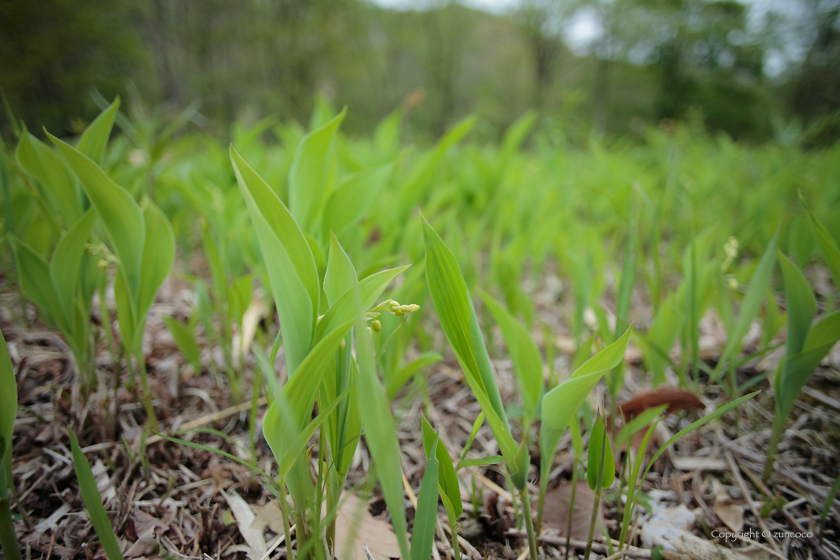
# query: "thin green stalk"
[[456, 549], [8, 538], [147, 394], [540, 510], [284, 513], [594, 519], [517, 516], [252, 425], [529, 523]]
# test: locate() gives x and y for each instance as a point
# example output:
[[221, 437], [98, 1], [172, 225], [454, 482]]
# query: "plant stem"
[[147, 395], [594, 519], [284, 513], [540, 508], [252, 425], [8, 538], [456, 550], [529, 523]]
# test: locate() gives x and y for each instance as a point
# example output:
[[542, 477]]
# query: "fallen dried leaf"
[[356, 527], [676, 399], [556, 514], [244, 519], [728, 511]]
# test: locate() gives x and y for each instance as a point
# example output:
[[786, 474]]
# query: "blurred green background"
[[759, 70]]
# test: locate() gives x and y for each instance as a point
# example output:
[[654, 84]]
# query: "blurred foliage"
[[649, 60]]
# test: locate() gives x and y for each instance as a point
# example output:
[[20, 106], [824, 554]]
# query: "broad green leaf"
[[797, 369], [425, 518], [300, 391], [312, 172], [158, 256], [341, 275], [354, 196], [527, 361], [342, 310], [759, 283], [117, 209], [395, 383], [457, 318], [424, 170], [95, 137], [380, 429], [288, 259], [825, 332], [828, 245], [802, 306], [39, 161], [295, 447], [560, 404], [185, 339], [93, 502], [239, 297], [447, 479], [600, 452], [66, 262], [36, 283], [660, 338]]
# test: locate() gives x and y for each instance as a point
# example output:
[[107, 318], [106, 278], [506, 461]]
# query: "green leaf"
[[560, 404], [312, 173], [95, 137], [380, 429], [660, 338], [341, 275], [642, 420], [295, 447], [300, 391], [39, 161], [457, 317], [448, 480], [36, 283], [600, 453], [288, 259], [66, 262], [425, 517], [369, 290], [759, 283], [117, 209], [395, 383], [158, 256], [802, 306], [526, 357], [93, 502], [828, 245], [185, 339], [354, 196], [489, 460], [479, 421]]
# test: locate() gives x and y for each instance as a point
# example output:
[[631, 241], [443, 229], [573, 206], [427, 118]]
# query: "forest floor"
[[705, 493]]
